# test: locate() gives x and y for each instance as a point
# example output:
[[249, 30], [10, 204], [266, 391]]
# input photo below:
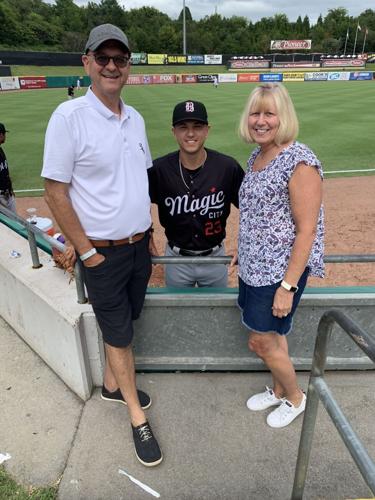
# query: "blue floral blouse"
[[267, 230]]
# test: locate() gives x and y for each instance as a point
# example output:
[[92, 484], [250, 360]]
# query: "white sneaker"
[[263, 400], [285, 413]]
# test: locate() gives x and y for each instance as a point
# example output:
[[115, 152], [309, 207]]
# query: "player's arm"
[[56, 196], [237, 181]]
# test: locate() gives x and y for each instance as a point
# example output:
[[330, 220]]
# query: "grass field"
[[335, 121]]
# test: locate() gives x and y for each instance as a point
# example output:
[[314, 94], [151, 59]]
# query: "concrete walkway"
[[214, 448]]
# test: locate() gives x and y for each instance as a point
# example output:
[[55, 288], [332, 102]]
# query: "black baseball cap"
[[2, 128], [189, 110]]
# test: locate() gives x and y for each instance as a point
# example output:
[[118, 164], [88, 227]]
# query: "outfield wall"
[[42, 82]]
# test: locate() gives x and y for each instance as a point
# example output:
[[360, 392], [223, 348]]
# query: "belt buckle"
[[130, 239]]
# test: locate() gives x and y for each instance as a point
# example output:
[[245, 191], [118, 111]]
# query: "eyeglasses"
[[119, 61]]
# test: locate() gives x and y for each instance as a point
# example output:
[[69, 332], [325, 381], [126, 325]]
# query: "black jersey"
[[5, 182], [194, 204]]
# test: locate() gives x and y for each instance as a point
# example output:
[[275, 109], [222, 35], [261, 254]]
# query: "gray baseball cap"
[[104, 32]]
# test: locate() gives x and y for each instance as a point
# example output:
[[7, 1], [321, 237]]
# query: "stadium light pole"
[[183, 28]]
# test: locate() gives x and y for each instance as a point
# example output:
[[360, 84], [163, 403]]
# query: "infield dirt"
[[350, 229]]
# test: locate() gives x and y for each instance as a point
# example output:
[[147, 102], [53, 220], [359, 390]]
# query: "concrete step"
[[214, 448]]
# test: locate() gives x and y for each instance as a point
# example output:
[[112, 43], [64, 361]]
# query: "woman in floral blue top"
[[280, 240]]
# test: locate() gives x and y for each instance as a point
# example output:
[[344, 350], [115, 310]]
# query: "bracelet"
[[88, 254]]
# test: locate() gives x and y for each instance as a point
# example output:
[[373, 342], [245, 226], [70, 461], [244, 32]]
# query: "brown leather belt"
[[114, 243]]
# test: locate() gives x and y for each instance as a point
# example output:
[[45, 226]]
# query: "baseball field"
[[335, 121]]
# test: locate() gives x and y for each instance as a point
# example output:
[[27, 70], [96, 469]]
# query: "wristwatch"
[[88, 254], [288, 287]]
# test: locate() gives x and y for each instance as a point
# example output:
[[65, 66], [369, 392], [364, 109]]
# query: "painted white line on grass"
[[27, 190], [325, 173], [345, 171]]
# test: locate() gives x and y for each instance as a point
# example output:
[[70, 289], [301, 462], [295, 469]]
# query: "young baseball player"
[[194, 188]]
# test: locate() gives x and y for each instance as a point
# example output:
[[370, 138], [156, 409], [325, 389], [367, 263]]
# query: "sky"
[[251, 9]]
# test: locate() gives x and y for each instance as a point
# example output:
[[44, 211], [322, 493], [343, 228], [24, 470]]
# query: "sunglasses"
[[119, 61]]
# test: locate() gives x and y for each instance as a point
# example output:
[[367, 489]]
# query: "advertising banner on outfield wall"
[[139, 58], [195, 59], [271, 77], [213, 59], [176, 59], [299, 64], [341, 63], [33, 82], [247, 64], [247, 77], [339, 75], [205, 78], [163, 78], [316, 76], [157, 58], [227, 77], [293, 77], [139, 80], [189, 78], [290, 44], [9, 83], [361, 75]]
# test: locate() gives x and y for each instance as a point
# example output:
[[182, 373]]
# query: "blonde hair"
[[258, 100]]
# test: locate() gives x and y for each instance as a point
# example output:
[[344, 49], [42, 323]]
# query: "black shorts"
[[256, 303], [117, 289]]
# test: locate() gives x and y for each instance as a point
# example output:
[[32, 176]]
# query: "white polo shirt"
[[105, 161]]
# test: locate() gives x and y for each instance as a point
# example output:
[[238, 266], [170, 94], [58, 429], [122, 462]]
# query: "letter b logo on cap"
[[189, 107]]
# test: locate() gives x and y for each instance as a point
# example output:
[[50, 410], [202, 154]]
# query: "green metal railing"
[[38, 238], [318, 390]]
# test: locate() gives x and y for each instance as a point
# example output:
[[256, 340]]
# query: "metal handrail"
[[318, 389], [32, 230], [329, 259]]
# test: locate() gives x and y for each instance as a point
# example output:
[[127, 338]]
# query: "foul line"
[[27, 190], [344, 171], [325, 173]]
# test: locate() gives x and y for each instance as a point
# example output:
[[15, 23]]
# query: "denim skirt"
[[256, 304]]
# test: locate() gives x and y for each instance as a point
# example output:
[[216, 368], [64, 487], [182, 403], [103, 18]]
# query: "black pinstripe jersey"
[[194, 209]]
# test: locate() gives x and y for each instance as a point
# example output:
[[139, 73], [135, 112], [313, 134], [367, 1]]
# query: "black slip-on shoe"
[[146, 447], [117, 397]]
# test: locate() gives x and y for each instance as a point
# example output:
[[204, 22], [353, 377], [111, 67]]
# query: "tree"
[[188, 16], [109, 11], [41, 31], [69, 15], [11, 32], [168, 40], [65, 25]]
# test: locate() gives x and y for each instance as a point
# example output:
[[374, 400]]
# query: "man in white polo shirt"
[[95, 165]]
